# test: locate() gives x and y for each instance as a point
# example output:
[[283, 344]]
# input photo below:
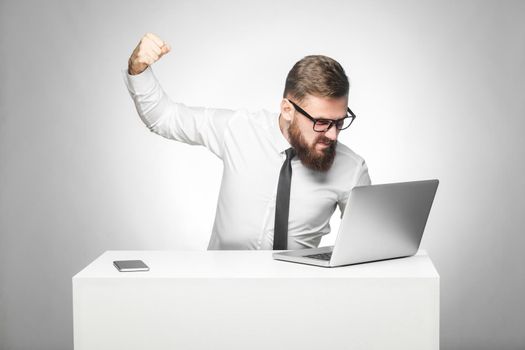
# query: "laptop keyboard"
[[322, 256]]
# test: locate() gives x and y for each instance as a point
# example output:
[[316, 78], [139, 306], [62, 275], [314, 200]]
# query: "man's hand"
[[149, 50]]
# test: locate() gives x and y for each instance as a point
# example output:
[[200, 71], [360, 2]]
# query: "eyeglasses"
[[322, 125]]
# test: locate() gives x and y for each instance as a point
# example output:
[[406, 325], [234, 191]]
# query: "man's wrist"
[[130, 68]]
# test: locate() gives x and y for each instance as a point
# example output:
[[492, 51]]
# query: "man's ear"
[[287, 110]]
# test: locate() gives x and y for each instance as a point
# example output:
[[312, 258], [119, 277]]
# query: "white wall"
[[437, 87]]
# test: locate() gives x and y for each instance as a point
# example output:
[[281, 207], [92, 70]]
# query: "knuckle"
[[143, 52]]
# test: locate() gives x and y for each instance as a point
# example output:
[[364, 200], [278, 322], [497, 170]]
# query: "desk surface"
[[248, 264]]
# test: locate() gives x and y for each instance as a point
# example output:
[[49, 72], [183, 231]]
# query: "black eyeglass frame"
[[350, 115]]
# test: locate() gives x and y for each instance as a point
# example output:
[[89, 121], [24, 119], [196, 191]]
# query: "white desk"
[[246, 300]]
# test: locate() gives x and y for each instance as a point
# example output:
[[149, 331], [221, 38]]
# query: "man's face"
[[316, 150]]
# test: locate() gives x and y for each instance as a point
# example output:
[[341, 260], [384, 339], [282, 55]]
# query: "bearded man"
[[284, 173]]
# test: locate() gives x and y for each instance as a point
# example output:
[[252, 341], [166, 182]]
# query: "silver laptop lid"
[[383, 221]]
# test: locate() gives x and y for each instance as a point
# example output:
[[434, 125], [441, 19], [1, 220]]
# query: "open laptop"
[[379, 222]]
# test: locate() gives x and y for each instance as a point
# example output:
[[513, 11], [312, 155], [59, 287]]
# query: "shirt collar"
[[281, 143]]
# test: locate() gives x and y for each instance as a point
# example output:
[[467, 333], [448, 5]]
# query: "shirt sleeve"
[[176, 121], [362, 178]]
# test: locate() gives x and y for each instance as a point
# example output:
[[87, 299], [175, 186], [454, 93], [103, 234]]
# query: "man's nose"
[[331, 133]]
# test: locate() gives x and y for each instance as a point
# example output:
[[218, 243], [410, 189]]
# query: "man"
[[261, 205]]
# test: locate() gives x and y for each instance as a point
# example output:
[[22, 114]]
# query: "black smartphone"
[[130, 265]]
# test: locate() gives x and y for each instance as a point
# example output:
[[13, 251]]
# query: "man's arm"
[[362, 178], [176, 121]]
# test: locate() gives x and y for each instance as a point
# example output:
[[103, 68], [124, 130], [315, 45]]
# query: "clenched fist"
[[149, 50]]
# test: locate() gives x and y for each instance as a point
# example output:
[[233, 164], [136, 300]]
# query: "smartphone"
[[130, 265]]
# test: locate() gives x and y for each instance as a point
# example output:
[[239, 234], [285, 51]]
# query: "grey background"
[[437, 87]]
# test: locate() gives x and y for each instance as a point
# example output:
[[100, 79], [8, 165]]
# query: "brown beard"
[[307, 154]]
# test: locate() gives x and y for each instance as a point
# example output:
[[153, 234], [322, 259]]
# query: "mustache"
[[326, 140]]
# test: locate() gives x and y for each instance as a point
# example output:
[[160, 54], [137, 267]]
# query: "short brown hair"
[[316, 75]]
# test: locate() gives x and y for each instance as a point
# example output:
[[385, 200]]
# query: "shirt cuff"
[[140, 83]]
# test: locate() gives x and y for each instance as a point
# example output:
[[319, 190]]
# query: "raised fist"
[[149, 50]]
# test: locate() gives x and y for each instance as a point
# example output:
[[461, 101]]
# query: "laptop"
[[380, 222]]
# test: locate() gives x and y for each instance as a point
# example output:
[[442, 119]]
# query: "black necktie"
[[282, 204]]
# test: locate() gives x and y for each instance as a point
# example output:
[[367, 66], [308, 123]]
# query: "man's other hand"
[[149, 50]]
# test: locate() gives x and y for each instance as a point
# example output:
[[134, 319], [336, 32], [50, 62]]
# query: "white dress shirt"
[[251, 146]]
